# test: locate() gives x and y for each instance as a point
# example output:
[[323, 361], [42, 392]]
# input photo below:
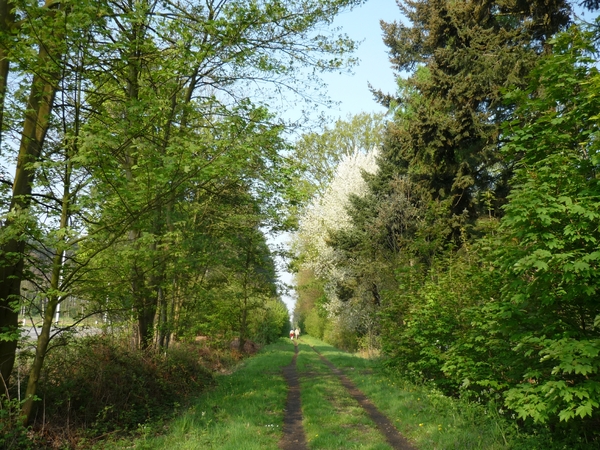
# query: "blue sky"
[[350, 90], [362, 24]]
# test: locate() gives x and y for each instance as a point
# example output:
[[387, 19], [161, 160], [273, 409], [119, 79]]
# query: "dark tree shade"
[[592, 5]]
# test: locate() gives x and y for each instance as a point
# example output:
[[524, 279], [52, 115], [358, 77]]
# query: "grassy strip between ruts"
[[332, 419], [244, 411]]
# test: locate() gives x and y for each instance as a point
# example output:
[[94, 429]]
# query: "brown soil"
[[293, 432], [393, 436]]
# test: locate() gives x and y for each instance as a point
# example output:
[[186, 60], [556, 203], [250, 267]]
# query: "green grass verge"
[[244, 411], [332, 419], [425, 416]]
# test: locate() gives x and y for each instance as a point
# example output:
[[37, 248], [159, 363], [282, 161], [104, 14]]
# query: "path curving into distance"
[[293, 431]]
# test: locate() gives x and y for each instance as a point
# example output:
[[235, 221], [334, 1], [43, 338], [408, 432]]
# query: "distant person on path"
[[292, 334], [297, 333]]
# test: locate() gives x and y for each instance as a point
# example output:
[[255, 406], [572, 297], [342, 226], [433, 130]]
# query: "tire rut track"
[[387, 428], [293, 431]]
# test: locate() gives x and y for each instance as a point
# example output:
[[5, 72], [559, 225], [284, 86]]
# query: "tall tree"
[[46, 31], [7, 19]]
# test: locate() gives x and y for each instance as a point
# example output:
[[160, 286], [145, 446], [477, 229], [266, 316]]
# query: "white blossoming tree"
[[327, 213]]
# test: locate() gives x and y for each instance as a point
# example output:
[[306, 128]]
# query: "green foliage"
[[13, 434], [270, 322], [439, 338], [309, 313], [315, 324], [514, 315], [550, 238]]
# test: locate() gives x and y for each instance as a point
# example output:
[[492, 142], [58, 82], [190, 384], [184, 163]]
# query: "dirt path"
[[393, 437], [293, 432]]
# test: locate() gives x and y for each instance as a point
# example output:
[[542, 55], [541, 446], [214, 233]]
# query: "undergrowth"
[[97, 387]]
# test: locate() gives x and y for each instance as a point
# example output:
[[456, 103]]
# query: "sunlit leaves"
[[551, 234]]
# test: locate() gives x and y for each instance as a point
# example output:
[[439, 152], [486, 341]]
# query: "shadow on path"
[[392, 436], [293, 432]]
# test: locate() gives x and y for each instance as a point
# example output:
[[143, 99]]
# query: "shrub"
[[99, 386], [13, 434]]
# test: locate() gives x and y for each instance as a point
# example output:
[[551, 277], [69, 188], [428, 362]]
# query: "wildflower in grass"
[[420, 424]]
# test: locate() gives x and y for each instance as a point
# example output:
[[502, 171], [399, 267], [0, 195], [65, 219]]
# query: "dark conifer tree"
[[447, 134]]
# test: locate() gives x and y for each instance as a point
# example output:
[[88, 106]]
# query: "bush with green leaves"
[[549, 241], [437, 309], [270, 322]]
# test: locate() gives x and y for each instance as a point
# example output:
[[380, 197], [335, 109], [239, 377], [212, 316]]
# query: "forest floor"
[[308, 395]]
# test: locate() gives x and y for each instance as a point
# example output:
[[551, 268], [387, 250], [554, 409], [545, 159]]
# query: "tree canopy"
[[149, 166]]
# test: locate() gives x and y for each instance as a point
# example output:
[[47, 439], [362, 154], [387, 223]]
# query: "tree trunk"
[[43, 340], [175, 311], [163, 326], [146, 324], [35, 126], [53, 303], [243, 328], [6, 23], [144, 306]]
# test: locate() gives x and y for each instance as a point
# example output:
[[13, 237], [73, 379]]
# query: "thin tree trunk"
[[146, 325], [162, 319], [54, 300], [144, 307], [243, 327], [166, 319], [175, 311]]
